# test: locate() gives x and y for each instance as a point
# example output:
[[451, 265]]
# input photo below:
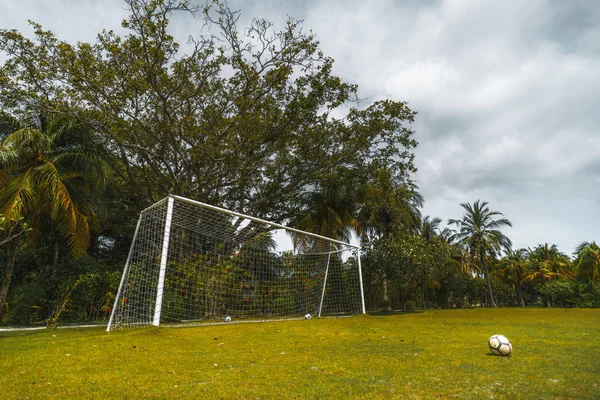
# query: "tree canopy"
[[242, 118]]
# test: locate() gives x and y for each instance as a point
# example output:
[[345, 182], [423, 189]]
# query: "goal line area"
[[194, 263]]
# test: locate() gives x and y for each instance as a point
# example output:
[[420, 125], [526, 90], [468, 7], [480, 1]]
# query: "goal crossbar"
[[262, 221]]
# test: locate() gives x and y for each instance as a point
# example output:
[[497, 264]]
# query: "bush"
[[410, 305], [92, 296], [26, 304], [572, 293], [385, 305]]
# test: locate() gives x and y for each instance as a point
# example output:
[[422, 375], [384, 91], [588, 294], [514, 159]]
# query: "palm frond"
[[30, 138], [18, 197], [64, 210], [10, 159], [588, 261], [8, 124]]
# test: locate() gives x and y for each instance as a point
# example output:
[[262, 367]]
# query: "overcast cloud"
[[507, 92]]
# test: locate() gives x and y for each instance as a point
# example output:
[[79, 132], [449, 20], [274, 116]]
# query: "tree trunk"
[[56, 248], [386, 296], [520, 296], [10, 263], [488, 282]]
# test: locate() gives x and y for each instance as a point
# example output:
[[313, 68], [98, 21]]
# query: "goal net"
[[191, 262]]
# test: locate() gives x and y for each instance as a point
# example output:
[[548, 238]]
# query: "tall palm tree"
[[52, 168], [480, 234], [328, 211], [547, 263], [588, 260], [513, 266]]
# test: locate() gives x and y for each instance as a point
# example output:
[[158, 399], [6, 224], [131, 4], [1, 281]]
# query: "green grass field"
[[422, 355]]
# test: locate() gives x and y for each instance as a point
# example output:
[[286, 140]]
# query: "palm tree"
[[389, 205], [588, 260], [547, 263], [479, 233], [328, 211], [514, 267], [457, 253], [551, 259], [52, 169], [429, 227]]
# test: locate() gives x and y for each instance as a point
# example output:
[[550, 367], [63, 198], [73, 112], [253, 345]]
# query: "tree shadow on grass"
[[383, 313]]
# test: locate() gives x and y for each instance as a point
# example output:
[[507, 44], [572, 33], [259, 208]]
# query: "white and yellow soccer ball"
[[228, 319], [307, 316], [500, 345]]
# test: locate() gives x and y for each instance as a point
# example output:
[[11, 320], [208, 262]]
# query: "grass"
[[423, 355]]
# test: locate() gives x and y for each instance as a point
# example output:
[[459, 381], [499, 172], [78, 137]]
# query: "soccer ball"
[[307, 316], [228, 319], [500, 345]]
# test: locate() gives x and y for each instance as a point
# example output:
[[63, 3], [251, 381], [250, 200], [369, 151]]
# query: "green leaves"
[[479, 230], [547, 262], [244, 119], [588, 261], [50, 174], [328, 211]]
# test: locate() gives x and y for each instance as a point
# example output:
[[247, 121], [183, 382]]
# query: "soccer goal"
[[191, 262]]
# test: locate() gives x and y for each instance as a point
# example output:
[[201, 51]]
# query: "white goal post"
[[192, 262]]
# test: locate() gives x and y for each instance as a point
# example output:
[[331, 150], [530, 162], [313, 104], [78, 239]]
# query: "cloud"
[[506, 105], [75, 20]]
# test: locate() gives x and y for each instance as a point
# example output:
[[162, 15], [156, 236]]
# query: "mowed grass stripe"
[[441, 353]]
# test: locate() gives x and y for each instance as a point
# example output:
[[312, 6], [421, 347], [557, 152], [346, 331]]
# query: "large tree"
[[479, 233], [53, 168], [248, 119]]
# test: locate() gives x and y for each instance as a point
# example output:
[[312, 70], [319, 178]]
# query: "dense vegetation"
[[253, 120]]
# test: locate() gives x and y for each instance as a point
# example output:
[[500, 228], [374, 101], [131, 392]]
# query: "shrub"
[[26, 304], [572, 293]]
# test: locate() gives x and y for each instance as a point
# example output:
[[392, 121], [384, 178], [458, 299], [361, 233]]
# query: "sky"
[[507, 93]]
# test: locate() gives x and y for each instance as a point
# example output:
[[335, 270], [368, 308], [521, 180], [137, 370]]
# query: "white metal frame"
[[362, 293], [164, 256], [165, 253], [324, 284], [262, 221]]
